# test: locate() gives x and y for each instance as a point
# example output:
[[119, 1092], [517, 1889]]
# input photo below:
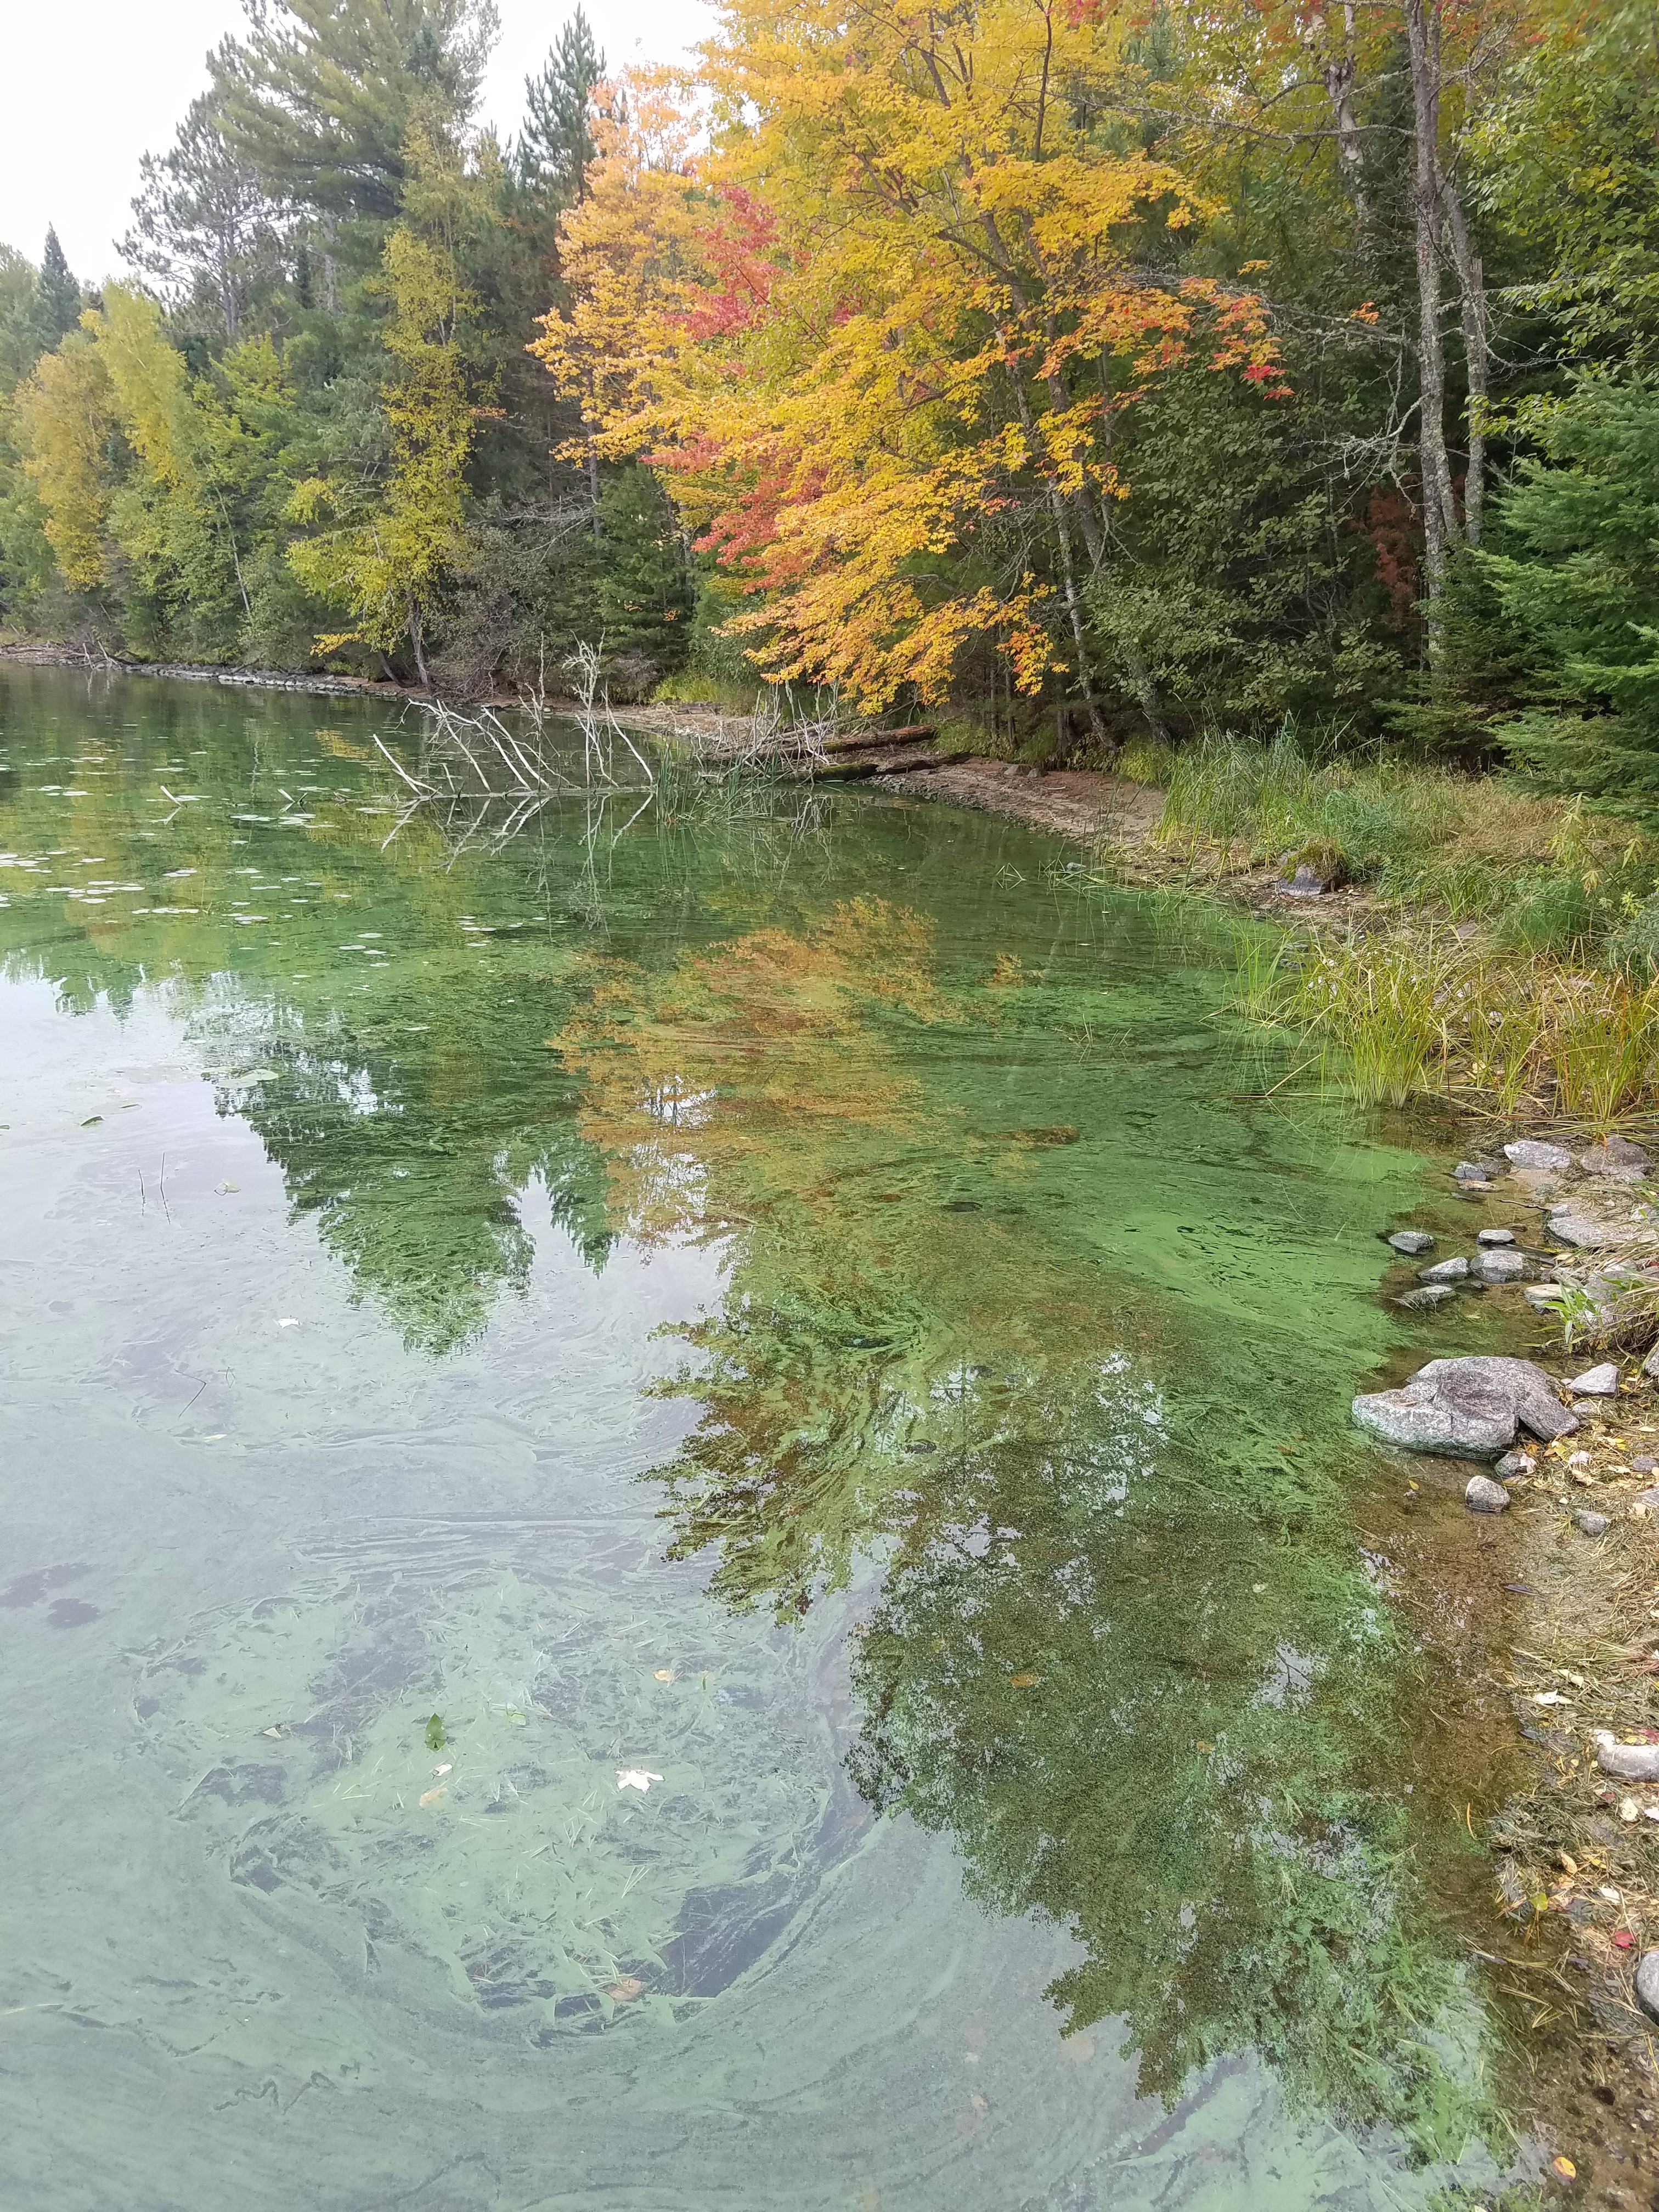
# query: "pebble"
[[1601, 1382], [1529, 1152], [1651, 1364], [1631, 1762], [1444, 1271], [1495, 1237], [1591, 1524], [1644, 1466], [1514, 1463], [1483, 1494], [1647, 1984], [1412, 1242], [1466, 1172]]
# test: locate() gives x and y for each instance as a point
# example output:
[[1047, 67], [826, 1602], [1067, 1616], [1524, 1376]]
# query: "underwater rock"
[[1631, 1762], [1432, 1294], [1471, 1177], [1529, 1152], [1444, 1271], [1514, 1463], [1601, 1382], [1482, 1495], [1467, 1408], [1495, 1237], [1411, 1241]]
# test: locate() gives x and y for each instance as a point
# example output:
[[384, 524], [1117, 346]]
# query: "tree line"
[[1093, 375]]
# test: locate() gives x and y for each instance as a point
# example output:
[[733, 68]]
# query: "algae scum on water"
[[684, 1528]]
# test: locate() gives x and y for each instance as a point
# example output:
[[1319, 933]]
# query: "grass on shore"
[[1510, 960]]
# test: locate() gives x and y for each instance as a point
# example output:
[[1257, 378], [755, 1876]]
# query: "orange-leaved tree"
[[878, 327]]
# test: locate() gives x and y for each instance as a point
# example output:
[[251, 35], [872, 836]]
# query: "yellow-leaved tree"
[[877, 334], [66, 414], [383, 548]]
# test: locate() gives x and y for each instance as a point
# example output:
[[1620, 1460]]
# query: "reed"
[[1405, 1014]]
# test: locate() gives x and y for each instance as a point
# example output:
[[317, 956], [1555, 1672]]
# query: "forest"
[[1096, 379]]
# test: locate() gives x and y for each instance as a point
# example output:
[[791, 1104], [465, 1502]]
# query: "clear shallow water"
[[783, 1300]]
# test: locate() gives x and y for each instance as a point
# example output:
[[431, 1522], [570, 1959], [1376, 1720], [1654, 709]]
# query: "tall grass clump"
[[1543, 877], [1426, 1014]]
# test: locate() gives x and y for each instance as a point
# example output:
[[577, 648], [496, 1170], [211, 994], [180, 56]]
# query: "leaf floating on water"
[[1203, 1747], [92, 1121], [433, 1797], [663, 1674], [1025, 1681], [635, 1778], [435, 1738], [629, 1987], [448, 1767]]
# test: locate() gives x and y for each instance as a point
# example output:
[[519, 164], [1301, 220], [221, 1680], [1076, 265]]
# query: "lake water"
[[679, 1528]]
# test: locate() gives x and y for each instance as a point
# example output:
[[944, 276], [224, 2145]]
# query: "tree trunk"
[[416, 641], [1339, 74], [1439, 512], [1472, 297]]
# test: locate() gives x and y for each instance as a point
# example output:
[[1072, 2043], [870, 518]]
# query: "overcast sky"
[[92, 84]]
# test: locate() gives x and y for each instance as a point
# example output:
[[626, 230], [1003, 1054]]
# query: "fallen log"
[[873, 737]]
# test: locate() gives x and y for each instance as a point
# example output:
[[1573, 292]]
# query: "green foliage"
[[1578, 583], [435, 1738]]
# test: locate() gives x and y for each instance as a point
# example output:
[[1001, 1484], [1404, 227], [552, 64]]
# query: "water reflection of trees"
[[1130, 1662]]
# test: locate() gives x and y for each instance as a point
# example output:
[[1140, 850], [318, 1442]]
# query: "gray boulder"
[[1601, 1382], [1631, 1762], [1482, 1495], [1570, 1225], [1495, 1237], [1445, 1271], [1529, 1152], [1476, 1178], [1616, 1156], [1467, 1408], [1495, 1265], [1411, 1241], [1647, 1984]]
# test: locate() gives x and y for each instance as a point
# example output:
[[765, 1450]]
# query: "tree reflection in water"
[[1123, 1654]]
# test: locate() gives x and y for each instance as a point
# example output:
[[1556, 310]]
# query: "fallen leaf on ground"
[[1563, 2167], [1025, 1681]]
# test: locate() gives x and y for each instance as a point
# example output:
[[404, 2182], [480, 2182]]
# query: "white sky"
[[92, 84]]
